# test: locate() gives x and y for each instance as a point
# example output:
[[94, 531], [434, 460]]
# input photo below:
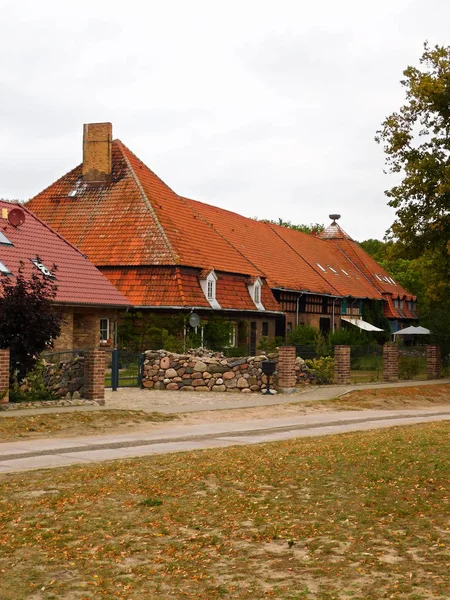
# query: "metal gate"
[[125, 369]]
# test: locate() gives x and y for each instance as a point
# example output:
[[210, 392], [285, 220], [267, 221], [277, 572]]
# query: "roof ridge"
[[122, 148], [271, 225], [187, 200]]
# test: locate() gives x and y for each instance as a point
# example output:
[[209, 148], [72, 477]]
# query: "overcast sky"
[[264, 108]]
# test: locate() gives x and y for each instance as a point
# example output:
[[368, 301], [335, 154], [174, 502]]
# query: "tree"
[[417, 145], [29, 321], [316, 227]]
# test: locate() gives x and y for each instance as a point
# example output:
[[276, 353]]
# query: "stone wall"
[[66, 377], [203, 371]]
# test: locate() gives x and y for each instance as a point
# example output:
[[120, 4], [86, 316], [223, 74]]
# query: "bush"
[[349, 337], [323, 368], [302, 335], [32, 388], [408, 367], [267, 344]]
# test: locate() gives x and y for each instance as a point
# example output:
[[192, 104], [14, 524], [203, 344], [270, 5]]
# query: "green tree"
[[416, 141], [28, 318], [317, 227]]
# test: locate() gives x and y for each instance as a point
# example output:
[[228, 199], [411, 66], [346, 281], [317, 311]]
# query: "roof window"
[[208, 285], [42, 268], [4, 240], [332, 269], [345, 272], [320, 267], [254, 289], [4, 269]]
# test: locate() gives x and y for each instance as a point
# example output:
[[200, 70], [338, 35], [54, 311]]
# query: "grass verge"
[[74, 423], [355, 516]]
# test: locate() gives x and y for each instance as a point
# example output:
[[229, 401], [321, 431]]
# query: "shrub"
[[32, 388], [323, 368], [408, 367], [267, 344], [349, 337], [302, 335]]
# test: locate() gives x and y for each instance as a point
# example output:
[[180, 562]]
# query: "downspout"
[[297, 308]]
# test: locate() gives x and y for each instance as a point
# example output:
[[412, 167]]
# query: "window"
[[207, 279], [345, 272], [104, 330], [289, 327], [320, 267], [211, 289], [4, 240], [42, 268], [233, 336], [4, 269], [332, 269], [395, 303], [265, 329], [257, 294]]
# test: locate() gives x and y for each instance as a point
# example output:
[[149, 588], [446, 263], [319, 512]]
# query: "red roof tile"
[[78, 281]]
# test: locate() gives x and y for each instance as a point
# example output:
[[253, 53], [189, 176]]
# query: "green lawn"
[[356, 516]]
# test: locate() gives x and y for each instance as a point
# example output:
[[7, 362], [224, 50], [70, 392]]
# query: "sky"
[[265, 108]]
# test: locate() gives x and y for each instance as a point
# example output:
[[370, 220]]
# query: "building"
[[167, 253], [88, 301]]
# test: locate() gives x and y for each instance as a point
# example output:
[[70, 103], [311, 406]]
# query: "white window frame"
[[104, 340], [255, 289], [208, 285]]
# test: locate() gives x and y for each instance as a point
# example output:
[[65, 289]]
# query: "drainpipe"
[[333, 328], [297, 310]]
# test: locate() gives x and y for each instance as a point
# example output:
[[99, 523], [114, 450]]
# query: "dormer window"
[[254, 289], [208, 281], [42, 268]]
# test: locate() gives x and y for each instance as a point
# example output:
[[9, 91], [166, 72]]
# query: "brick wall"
[[286, 368], [433, 354], [4, 376], [65, 340], [390, 361], [342, 365], [94, 376]]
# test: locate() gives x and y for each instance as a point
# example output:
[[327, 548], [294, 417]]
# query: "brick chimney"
[[97, 139]]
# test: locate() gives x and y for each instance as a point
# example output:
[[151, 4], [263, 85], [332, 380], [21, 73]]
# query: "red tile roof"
[[135, 220], [180, 287], [79, 282]]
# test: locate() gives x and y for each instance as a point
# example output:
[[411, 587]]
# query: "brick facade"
[[4, 376], [390, 361], [81, 328], [286, 369], [342, 365], [94, 376], [433, 355]]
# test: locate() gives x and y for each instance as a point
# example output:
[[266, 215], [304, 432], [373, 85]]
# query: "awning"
[[361, 324], [413, 331]]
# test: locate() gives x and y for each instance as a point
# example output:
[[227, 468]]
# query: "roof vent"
[[16, 217], [334, 218]]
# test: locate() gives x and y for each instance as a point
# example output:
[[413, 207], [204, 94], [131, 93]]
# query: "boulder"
[[242, 383], [219, 388], [200, 366], [170, 373], [229, 375], [172, 386], [202, 388]]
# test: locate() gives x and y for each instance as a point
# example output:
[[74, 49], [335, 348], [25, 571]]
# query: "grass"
[[74, 423], [357, 516]]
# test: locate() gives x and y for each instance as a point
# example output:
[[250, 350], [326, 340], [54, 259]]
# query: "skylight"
[[4, 240], [42, 268], [331, 269], [320, 267], [4, 269], [345, 272]]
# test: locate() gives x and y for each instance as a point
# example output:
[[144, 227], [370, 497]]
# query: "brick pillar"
[[4, 376], [390, 361], [94, 376], [433, 354], [286, 369], [342, 365]]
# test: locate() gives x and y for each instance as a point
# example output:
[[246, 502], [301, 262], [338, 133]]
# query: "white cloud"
[[268, 109]]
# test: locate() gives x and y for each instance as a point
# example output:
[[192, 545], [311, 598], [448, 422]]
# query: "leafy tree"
[[317, 227], [416, 141], [28, 319]]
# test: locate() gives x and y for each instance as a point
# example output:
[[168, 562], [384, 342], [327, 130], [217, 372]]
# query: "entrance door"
[[324, 325], [252, 348]]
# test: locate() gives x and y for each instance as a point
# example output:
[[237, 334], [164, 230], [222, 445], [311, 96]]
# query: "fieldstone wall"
[[65, 378], [204, 371]]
